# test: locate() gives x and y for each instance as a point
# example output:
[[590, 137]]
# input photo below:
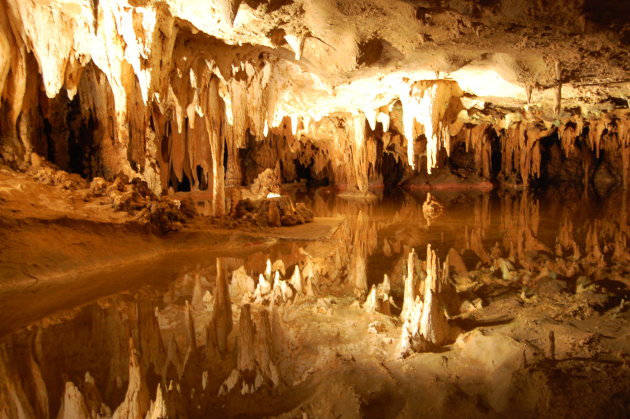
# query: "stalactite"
[[568, 133], [222, 309], [137, 399], [478, 138], [72, 404], [245, 360], [157, 408], [256, 364], [360, 153], [191, 336], [428, 103], [213, 125], [521, 150]]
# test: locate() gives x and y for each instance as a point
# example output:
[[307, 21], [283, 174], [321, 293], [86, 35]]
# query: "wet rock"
[[268, 182], [273, 211], [187, 207], [98, 187], [273, 215], [163, 215], [242, 285]]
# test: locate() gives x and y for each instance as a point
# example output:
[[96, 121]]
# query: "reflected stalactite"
[[426, 326], [205, 364]]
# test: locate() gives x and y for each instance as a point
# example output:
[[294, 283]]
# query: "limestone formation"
[[222, 309], [73, 404], [156, 91], [255, 364], [378, 299], [136, 403], [426, 326], [139, 139]]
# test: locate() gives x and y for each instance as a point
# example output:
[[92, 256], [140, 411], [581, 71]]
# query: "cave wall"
[[152, 90]]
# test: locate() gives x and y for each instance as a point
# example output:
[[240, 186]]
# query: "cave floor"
[[80, 279]]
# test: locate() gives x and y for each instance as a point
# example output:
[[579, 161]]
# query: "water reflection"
[[159, 349]]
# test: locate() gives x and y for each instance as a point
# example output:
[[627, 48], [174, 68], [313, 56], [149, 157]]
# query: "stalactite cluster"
[[152, 92]]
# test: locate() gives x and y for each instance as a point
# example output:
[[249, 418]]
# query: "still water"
[[563, 233]]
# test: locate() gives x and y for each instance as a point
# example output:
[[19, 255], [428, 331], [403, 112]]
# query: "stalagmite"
[[245, 360], [255, 364], [137, 399], [263, 290], [157, 408], [242, 285], [371, 303], [410, 291], [72, 405], [296, 281], [433, 324], [191, 336], [268, 269], [378, 299], [197, 295], [425, 326], [222, 309]]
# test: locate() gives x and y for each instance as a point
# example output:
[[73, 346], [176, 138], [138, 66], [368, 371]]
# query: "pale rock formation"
[[280, 291], [263, 290], [378, 299], [73, 404], [207, 301], [426, 326], [242, 286], [157, 408], [278, 266], [297, 282], [411, 287], [433, 324], [136, 403]]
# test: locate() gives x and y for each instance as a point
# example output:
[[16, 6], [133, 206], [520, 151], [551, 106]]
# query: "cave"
[[314, 208]]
